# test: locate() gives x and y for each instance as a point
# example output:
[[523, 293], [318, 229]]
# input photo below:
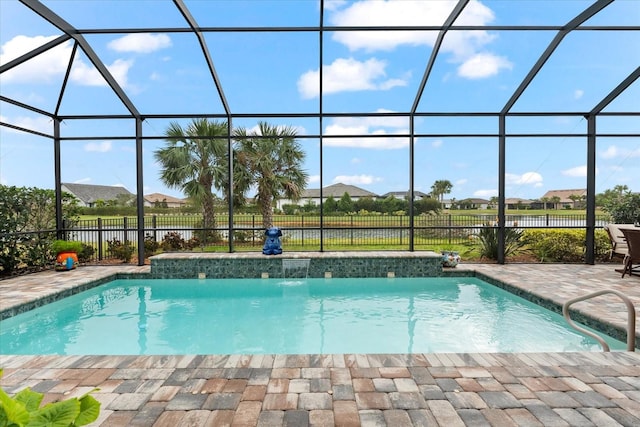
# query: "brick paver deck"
[[544, 389]]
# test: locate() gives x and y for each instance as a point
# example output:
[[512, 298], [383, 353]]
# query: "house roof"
[[90, 193], [337, 191], [403, 194], [159, 197], [564, 194], [516, 200], [476, 201]]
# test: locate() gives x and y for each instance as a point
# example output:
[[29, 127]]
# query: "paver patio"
[[496, 389]]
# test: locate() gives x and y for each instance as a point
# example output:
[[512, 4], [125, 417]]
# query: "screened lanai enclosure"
[[504, 100]]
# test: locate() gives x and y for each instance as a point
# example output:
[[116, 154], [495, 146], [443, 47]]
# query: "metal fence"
[[308, 232]]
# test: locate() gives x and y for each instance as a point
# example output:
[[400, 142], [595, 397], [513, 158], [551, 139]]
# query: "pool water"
[[274, 316]]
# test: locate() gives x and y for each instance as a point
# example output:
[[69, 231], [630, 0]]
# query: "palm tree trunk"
[[266, 210], [208, 218]]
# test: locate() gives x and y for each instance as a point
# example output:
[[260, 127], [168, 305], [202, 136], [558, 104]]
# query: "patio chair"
[[633, 257], [618, 242]]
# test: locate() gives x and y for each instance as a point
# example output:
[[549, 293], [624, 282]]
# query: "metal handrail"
[[631, 318]]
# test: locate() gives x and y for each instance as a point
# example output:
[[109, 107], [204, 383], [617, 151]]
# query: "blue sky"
[[363, 72]]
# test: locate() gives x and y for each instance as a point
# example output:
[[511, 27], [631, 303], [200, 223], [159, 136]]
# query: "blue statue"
[[272, 245]]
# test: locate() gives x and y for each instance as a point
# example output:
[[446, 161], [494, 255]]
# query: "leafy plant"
[[150, 244], [488, 240], [24, 409], [86, 253], [564, 245], [625, 208], [121, 250], [59, 246], [173, 241]]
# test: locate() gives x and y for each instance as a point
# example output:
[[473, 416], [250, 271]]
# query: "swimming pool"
[[275, 316]]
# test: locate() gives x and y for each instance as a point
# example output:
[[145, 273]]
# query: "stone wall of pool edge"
[[248, 266]]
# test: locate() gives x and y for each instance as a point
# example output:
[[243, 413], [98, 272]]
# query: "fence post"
[[100, 239], [351, 230], [401, 230], [124, 226], [302, 229], [450, 222], [547, 219], [154, 224]]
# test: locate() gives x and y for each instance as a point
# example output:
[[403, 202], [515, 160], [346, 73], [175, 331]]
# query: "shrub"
[[86, 253], [121, 250], [488, 240], [565, 245], [24, 409], [150, 244], [173, 241], [625, 209]]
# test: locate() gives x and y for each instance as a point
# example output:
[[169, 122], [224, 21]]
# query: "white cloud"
[[482, 65], [613, 152], [140, 43], [527, 178], [577, 172], [356, 161], [89, 76], [347, 75], [464, 46], [313, 179], [437, 143], [404, 13], [38, 124], [3, 180], [44, 68], [462, 181], [577, 94], [100, 147], [485, 194], [367, 126], [356, 179], [52, 64], [82, 181]]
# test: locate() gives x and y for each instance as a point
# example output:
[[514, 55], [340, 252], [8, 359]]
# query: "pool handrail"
[[631, 318]]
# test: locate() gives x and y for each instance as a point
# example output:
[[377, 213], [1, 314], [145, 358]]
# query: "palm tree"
[[194, 161], [440, 188], [273, 159]]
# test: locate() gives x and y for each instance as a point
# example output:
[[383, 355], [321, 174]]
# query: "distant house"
[[162, 200], [517, 203], [560, 199], [473, 203], [403, 195], [88, 195], [336, 191]]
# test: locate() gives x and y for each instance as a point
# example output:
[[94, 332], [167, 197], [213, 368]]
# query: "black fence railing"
[[105, 237], [305, 232]]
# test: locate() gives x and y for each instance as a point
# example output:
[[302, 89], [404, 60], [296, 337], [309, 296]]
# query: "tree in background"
[[195, 161], [330, 205], [440, 188], [272, 159], [622, 205], [345, 204]]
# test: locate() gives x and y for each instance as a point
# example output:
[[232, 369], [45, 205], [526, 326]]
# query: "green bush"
[[86, 253], [173, 241], [121, 250], [24, 409], [565, 245], [150, 245]]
